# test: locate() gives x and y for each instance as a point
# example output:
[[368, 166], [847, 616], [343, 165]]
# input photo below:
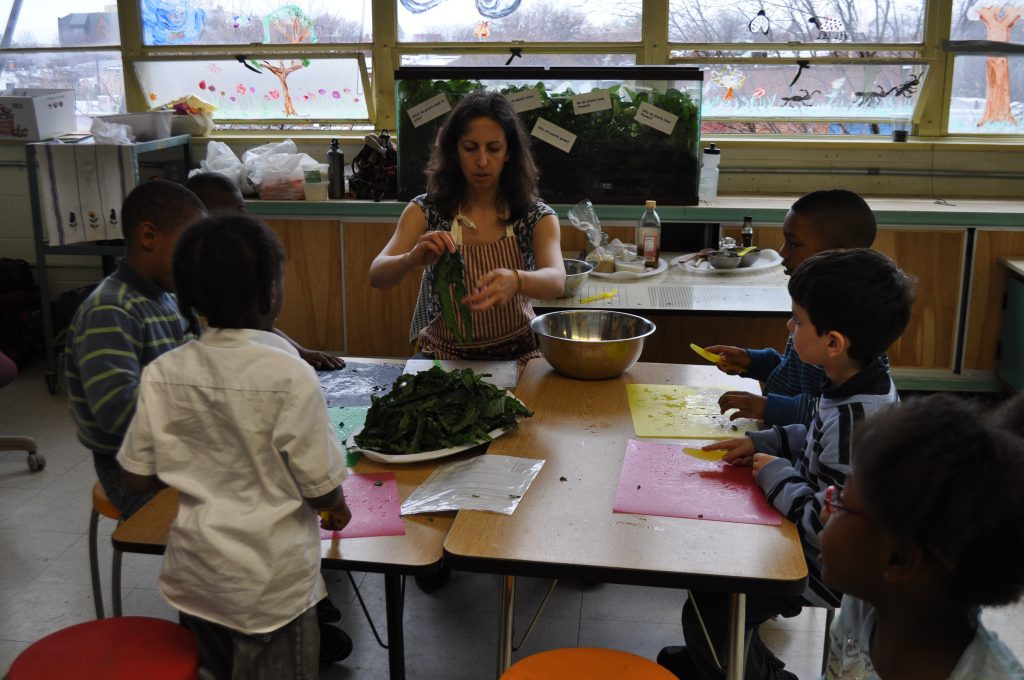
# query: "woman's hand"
[[430, 247], [739, 451], [496, 287]]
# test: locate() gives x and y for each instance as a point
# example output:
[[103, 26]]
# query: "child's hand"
[[760, 460], [734, 360], [739, 451], [337, 517], [749, 405], [321, 360]]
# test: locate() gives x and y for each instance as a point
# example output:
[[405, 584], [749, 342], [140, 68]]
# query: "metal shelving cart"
[[108, 251]]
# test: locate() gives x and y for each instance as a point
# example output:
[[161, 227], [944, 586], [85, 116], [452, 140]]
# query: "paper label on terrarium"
[[597, 100], [428, 110], [556, 136], [659, 119], [524, 100]]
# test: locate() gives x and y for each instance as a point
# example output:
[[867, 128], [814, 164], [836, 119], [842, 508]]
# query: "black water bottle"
[[335, 171]]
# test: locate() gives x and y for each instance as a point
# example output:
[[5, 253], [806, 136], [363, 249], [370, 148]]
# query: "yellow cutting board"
[[682, 412]]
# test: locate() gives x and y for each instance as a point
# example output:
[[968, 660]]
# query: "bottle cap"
[[713, 149], [748, 218], [650, 205]]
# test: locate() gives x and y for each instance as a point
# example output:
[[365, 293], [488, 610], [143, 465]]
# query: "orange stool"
[[123, 648], [101, 505], [585, 663]]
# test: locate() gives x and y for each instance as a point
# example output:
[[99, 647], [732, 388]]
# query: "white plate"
[[630, 276], [766, 259], [415, 457]]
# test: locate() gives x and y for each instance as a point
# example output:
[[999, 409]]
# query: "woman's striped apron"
[[499, 333]]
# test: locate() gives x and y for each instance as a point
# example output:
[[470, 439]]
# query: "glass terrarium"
[[610, 134]]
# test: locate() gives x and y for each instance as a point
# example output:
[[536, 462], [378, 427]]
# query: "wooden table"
[[565, 527], [419, 551]]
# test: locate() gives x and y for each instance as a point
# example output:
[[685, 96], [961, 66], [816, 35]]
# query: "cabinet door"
[[988, 281], [377, 320], [935, 258], [1011, 356], [313, 307]]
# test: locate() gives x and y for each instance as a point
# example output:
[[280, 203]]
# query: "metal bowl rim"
[[535, 322]]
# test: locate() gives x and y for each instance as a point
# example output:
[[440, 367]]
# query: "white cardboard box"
[[34, 114]]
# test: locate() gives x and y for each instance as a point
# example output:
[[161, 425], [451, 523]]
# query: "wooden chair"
[[123, 648], [586, 663], [101, 505]]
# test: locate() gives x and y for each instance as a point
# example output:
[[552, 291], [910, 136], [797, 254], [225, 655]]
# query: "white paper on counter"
[[490, 482]]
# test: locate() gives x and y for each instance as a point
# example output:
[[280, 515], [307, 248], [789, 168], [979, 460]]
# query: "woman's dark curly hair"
[[517, 188], [225, 268], [946, 474]]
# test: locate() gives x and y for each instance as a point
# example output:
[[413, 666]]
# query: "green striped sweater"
[[123, 325]]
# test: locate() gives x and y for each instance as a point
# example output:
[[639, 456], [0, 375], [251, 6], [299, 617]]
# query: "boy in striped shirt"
[[129, 320], [821, 220], [848, 307]]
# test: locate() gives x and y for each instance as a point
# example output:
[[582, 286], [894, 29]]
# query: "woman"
[[481, 200]]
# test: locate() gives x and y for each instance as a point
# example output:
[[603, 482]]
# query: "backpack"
[[19, 304], [375, 168]]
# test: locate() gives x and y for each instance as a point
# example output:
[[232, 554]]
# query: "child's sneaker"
[[335, 644]]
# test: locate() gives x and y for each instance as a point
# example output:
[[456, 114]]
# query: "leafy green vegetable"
[[450, 286], [437, 409]]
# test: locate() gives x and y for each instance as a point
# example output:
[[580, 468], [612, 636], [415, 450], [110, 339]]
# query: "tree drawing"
[[997, 69], [293, 26]]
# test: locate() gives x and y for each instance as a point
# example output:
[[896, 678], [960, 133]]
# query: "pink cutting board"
[[376, 510], [659, 479]]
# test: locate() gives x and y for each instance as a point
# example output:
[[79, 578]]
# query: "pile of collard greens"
[[437, 409]]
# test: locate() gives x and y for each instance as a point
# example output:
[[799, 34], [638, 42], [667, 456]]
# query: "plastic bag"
[[276, 170], [111, 133], [583, 217], [492, 483], [220, 158]]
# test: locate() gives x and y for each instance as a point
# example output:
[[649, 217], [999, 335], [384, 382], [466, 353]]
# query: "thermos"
[[335, 171]]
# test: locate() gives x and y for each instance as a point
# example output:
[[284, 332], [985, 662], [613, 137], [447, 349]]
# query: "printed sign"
[[659, 119], [558, 137], [426, 111], [525, 100], [598, 100]]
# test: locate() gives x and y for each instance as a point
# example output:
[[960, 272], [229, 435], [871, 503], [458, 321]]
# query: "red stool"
[[585, 663], [123, 648]]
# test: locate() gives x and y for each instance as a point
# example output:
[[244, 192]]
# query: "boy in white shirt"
[[236, 422]]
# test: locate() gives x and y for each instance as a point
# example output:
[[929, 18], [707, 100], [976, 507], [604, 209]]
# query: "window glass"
[[987, 95], [998, 21], [828, 92], [290, 89], [833, 21], [527, 20], [526, 60], [243, 22], [96, 77], [60, 23]]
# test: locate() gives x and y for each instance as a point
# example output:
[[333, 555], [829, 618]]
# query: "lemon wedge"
[[713, 455], [710, 356]]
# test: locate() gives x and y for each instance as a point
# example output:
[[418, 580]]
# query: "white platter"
[[415, 457], [630, 276], [766, 259]]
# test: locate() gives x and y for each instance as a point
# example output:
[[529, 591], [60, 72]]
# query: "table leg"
[[394, 605], [507, 604], [737, 636]]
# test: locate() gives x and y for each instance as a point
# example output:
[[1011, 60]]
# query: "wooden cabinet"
[[988, 284], [313, 309]]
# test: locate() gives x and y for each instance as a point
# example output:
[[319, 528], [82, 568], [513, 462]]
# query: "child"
[[219, 194], [848, 307], [926, 531], [818, 221], [129, 320], [236, 422]]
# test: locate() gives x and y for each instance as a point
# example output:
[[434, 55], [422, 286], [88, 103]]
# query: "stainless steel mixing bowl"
[[591, 344], [576, 273]]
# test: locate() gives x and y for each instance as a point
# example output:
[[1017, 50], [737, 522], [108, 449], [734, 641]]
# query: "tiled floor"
[[44, 580]]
